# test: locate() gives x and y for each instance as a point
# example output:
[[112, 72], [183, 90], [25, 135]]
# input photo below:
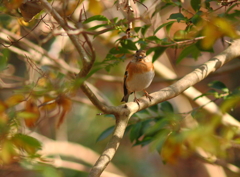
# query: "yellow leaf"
[[42, 82], [14, 100], [49, 103], [7, 152], [225, 27], [172, 149], [211, 35], [215, 29], [95, 7]]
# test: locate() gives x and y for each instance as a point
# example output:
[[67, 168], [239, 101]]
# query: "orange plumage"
[[138, 76]]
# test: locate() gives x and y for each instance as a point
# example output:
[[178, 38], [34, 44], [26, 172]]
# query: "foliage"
[[53, 87]]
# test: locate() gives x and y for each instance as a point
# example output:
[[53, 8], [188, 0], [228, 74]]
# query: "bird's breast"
[[139, 81]]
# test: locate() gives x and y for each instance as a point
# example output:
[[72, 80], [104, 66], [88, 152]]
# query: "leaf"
[[159, 125], [157, 52], [153, 38], [3, 59], [178, 17], [166, 107], [202, 48], [196, 18], [230, 103], [144, 29], [135, 132], [137, 29], [14, 100], [27, 143], [168, 24], [154, 108], [159, 140], [218, 85], [95, 7], [96, 18], [128, 44], [144, 142], [27, 115], [7, 152], [105, 133], [215, 29], [196, 4], [180, 35], [190, 50], [96, 27]]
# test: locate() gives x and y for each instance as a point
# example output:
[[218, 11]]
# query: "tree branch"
[[125, 111], [87, 63]]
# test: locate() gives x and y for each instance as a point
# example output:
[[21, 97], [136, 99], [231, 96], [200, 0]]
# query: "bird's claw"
[[148, 96], [137, 101]]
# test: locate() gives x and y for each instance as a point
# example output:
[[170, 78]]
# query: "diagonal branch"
[[125, 111]]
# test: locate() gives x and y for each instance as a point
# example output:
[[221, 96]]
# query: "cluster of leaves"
[[164, 130], [201, 20], [219, 91], [14, 145], [26, 106]]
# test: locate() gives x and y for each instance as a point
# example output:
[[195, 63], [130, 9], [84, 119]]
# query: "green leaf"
[[144, 142], [178, 17], [3, 59], [137, 29], [196, 18], [159, 125], [96, 18], [168, 24], [135, 132], [96, 27], [190, 50], [28, 143], [105, 133], [153, 38], [157, 52], [218, 85], [196, 4], [154, 108], [144, 29], [128, 44], [119, 50], [203, 49], [159, 140], [27, 115], [166, 107]]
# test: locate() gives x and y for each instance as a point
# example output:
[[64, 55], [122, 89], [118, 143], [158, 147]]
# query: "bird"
[[138, 76]]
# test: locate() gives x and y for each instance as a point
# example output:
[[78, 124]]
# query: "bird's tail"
[[125, 98]]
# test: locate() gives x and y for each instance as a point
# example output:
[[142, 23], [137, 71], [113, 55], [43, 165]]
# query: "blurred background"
[[39, 63]]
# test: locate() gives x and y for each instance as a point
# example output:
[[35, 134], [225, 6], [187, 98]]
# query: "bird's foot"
[[137, 101], [148, 96]]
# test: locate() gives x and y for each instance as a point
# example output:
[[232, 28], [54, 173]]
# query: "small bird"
[[138, 76]]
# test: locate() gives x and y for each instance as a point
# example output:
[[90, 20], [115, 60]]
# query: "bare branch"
[[113, 144]]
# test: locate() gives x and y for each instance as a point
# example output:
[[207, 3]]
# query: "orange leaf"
[[65, 103], [32, 113], [13, 4]]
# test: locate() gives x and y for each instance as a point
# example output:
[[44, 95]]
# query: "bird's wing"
[[124, 83]]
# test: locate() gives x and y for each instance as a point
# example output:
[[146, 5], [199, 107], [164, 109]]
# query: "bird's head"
[[140, 55]]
